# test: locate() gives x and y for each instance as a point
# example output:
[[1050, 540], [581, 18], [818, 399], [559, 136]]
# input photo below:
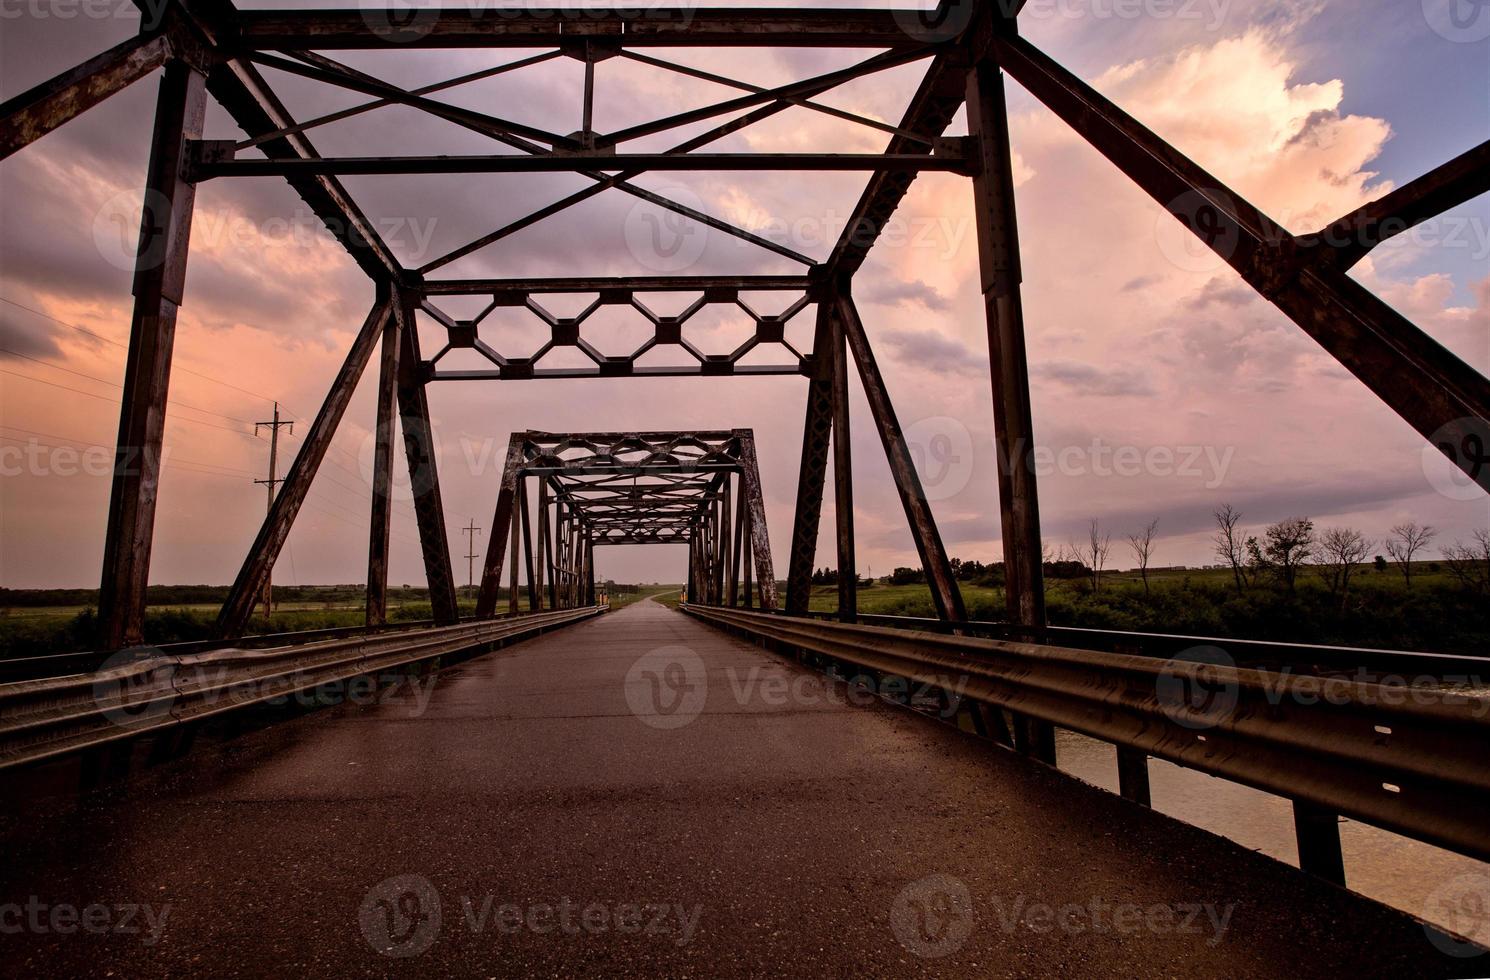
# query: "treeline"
[[195, 595]]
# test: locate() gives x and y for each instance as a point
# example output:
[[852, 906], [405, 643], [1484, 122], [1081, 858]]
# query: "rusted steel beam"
[[804, 87], [1439, 395], [527, 525], [622, 287], [760, 541], [501, 522], [424, 477], [707, 369], [929, 114], [513, 163], [331, 73], [42, 108], [812, 472], [945, 592], [541, 565], [242, 91], [1000, 273], [733, 597], [160, 277], [249, 585], [843, 475], [513, 532], [239, 88], [1463, 178], [384, 428], [484, 26]]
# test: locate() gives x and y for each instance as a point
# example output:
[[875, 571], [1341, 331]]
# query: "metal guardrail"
[[1411, 760], [1252, 653], [83, 661], [141, 695]]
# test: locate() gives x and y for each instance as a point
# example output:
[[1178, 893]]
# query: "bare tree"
[[1230, 546], [1469, 561], [1142, 544], [1094, 553], [1407, 540], [1341, 549], [1286, 548]]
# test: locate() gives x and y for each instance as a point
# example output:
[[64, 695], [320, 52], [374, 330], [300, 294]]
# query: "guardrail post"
[[1133, 775], [1318, 833], [1034, 738]]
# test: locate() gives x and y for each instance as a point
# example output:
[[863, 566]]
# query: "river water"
[[1426, 881]]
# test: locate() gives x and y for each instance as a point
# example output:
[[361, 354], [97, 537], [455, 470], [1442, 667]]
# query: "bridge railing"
[[1268, 654], [1407, 754], [148, 692]]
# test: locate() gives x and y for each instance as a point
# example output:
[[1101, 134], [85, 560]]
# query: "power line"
[[113, 384], [112, 401]]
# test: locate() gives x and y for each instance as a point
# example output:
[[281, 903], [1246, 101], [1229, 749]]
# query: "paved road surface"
[[556, 809]]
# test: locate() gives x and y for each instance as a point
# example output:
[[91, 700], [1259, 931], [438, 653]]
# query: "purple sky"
[[1162, 385]]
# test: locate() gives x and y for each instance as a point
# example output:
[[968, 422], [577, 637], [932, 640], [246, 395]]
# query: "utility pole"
[[269, 485], [471, 531]]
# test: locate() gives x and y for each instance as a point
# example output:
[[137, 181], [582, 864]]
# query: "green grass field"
[[27, 631]]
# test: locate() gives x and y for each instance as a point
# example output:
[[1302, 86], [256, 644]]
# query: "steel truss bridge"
[[1423, 772]]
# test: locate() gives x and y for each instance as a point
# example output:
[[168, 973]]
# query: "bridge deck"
[[537, 807]]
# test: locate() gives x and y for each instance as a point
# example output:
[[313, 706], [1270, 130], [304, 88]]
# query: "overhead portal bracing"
[[700, 489], [208, 49]]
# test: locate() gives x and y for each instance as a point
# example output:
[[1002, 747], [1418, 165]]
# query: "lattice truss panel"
[[509, 362]]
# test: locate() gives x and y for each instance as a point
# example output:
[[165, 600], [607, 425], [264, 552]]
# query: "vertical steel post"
[[527, 523], [159, 279], [843, 478], [382, 481], [1318, 833], [998, 252], [813, 470], [424, 476]]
